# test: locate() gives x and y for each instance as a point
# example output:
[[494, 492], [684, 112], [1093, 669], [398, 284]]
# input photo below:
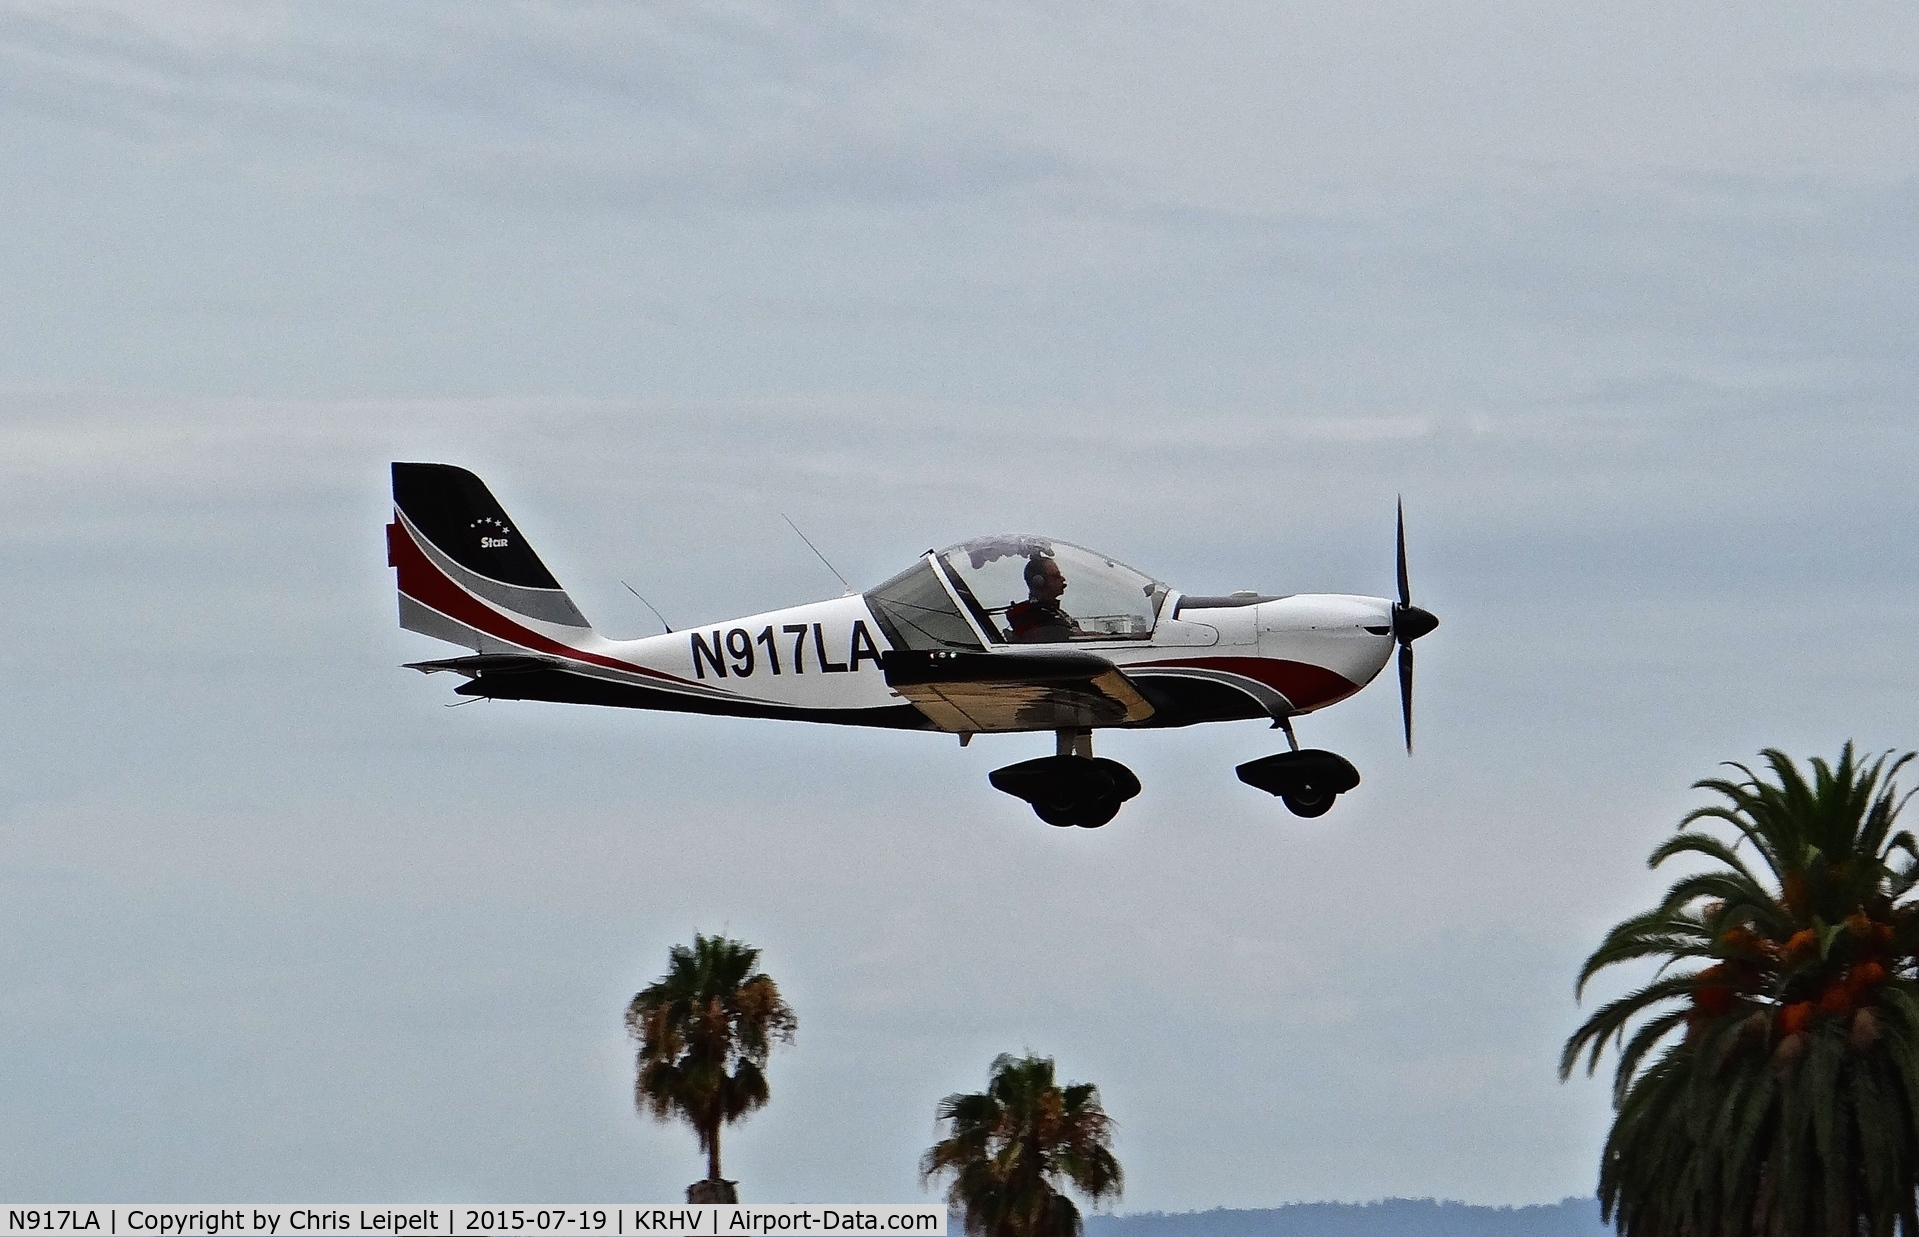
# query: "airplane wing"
[[976, 693]]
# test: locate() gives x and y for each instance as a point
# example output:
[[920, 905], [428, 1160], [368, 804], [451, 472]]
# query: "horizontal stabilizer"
[[487, 663]]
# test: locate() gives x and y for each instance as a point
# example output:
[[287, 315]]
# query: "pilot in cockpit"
[[1039, 619]]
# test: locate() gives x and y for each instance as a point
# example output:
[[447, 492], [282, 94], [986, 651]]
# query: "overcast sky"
[[1621, 299]]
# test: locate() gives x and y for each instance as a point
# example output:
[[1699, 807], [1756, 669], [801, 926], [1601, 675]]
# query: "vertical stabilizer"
[[466, 574]]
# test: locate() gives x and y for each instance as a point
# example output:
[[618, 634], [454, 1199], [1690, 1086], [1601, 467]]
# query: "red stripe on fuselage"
[[428, 585], [1307, 686]]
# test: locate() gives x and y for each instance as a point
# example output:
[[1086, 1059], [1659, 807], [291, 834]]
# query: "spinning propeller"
[[1409, 624]]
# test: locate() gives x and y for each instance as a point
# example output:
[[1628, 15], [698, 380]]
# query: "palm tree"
[[705, 1029], [1784, 1100], [1012, 1147]]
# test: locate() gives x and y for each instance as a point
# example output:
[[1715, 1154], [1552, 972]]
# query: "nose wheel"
[[1072, 789], [1306, 781]]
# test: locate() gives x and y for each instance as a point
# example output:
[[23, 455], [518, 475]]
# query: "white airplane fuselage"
[[1292, 655], [1283, 656]]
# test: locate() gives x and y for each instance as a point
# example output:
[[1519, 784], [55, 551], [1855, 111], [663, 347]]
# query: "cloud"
[[778, 107], [632, 110]]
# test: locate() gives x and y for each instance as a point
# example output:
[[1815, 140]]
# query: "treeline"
[[1392, 1217]]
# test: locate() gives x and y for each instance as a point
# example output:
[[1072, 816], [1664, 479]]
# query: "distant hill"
[[1393, 1217]]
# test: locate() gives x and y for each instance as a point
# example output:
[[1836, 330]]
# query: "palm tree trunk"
[[713, 1154]]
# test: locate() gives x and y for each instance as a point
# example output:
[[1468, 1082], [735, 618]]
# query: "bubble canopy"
[[1017, 588]]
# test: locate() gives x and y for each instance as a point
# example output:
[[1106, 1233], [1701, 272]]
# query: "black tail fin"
[[467, 575]]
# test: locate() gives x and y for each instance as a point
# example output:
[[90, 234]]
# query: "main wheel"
[[1085, 813], [1059, 815], [1096, 812], [1308, 801]]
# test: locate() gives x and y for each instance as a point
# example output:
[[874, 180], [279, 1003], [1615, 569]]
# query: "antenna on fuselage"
[[850, 590], [649, 605]]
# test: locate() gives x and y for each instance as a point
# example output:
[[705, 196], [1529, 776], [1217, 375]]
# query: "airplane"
[[1006, 633]]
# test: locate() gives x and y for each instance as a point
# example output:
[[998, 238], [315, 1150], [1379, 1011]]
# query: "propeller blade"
[[1405, 589], [1409, 624], [1406, 692]]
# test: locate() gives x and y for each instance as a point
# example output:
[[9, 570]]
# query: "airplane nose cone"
[[1411, 622]]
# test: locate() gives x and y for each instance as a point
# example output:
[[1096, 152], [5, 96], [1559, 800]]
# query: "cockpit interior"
[[1016, 588]]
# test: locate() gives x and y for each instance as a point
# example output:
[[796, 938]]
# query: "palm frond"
[[1608, 1023], [1705, 844]]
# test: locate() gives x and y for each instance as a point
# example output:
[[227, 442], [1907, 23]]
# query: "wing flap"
[[977, 693]]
